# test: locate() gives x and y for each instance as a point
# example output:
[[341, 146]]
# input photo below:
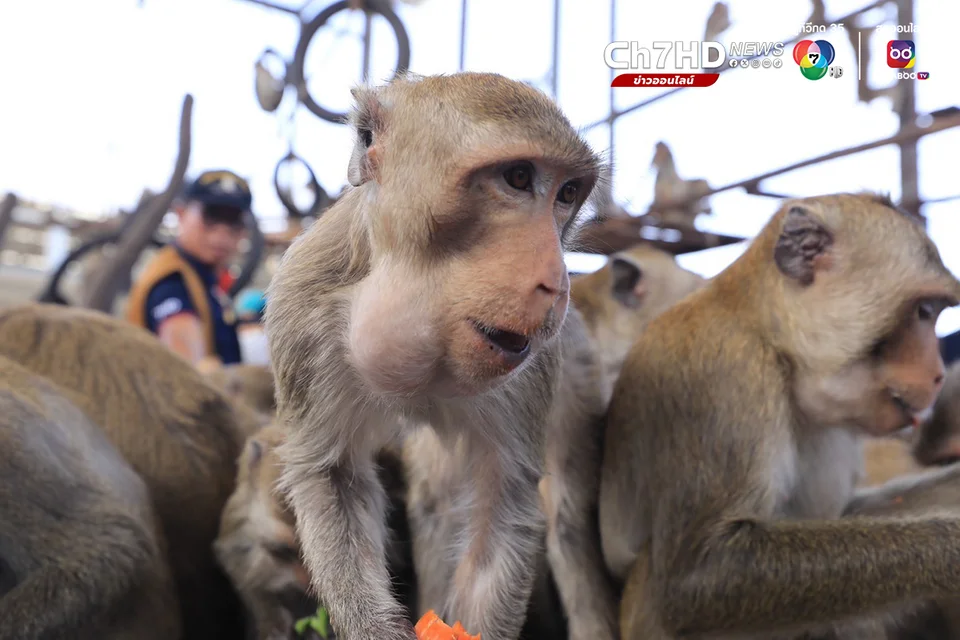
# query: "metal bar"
[[367, 34], [613, 107], [907, 112], [555, 68], [278, 7], [463, 35], [660, 96], [908, 133]]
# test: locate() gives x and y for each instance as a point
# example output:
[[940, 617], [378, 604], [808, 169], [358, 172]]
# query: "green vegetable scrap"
[[319, 622]]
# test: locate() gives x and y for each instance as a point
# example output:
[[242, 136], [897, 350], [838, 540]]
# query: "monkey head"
[[851, 306], [937, 441], [257, 545], [618, 300], [470, 186]]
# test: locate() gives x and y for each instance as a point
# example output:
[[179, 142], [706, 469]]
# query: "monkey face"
[[891, 387], [938, 439], [868, 286]]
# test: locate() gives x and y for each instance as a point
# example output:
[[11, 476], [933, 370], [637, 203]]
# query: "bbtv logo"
[[901, 54]]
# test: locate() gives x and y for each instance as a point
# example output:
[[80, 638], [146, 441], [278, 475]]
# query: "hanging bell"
[[268, 86]]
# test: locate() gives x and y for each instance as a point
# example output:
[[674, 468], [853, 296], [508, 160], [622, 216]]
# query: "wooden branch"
[[617, 234], [108, 279], [7, 205]]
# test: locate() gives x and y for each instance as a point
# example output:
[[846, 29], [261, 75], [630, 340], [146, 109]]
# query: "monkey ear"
[[628, 285], [802, 245], [368, 124]]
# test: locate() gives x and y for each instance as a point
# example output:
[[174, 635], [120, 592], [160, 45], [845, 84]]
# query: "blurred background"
[[93, 94]]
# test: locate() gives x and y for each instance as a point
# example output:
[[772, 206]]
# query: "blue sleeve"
[[168, 298]]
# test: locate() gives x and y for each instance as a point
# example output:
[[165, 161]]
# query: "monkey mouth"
[[514, 347], [912, 416]]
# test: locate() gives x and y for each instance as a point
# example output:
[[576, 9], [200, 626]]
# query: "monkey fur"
[[248, 383], [732, 444], [81, 557], [176, 430], [431, 293], [618, 301]]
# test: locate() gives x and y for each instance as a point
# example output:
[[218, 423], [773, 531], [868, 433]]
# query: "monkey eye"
[[926, 310], [569, 192], [282, 552], [519, 176], [367, 136]]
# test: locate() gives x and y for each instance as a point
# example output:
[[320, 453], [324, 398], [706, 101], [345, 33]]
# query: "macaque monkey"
[[176, 430], [248, 383], [80, 552], [618, 301], [938, 439], [257, 544], [717, 22], [732, 444], [431, 294], [690, 196], [258, 547]]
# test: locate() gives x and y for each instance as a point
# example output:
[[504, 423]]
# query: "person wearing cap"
[[180, 293]]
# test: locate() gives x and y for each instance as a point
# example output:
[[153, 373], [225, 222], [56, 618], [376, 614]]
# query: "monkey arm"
[[494, 578], [723, 563], [573, 537], [340, 511]]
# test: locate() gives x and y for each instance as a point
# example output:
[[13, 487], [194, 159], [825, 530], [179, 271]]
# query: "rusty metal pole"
[[907, 111]]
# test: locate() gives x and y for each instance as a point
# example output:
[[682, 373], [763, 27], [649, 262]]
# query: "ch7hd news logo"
[[815, 59], [691, 60], [902, 54]]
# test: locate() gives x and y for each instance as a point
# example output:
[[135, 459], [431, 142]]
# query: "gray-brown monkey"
[[257, 544], [618, 301], [431, 293], [80, 553], [258, 547], [732, 437], [179, 433], [937, 441]]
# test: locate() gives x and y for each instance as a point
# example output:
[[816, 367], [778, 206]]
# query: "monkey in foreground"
[[431, 293], [621, 298], [249, 383], [732, 436], [176, 430], [80, 553]]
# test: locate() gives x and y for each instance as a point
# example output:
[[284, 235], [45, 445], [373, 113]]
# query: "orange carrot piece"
[[431, 627]]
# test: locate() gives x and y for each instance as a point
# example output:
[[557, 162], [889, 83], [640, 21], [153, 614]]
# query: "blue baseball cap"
[[220, 188]]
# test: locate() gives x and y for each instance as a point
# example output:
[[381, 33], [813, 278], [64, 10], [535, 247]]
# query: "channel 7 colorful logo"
[[901, 54], [814, 58]]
